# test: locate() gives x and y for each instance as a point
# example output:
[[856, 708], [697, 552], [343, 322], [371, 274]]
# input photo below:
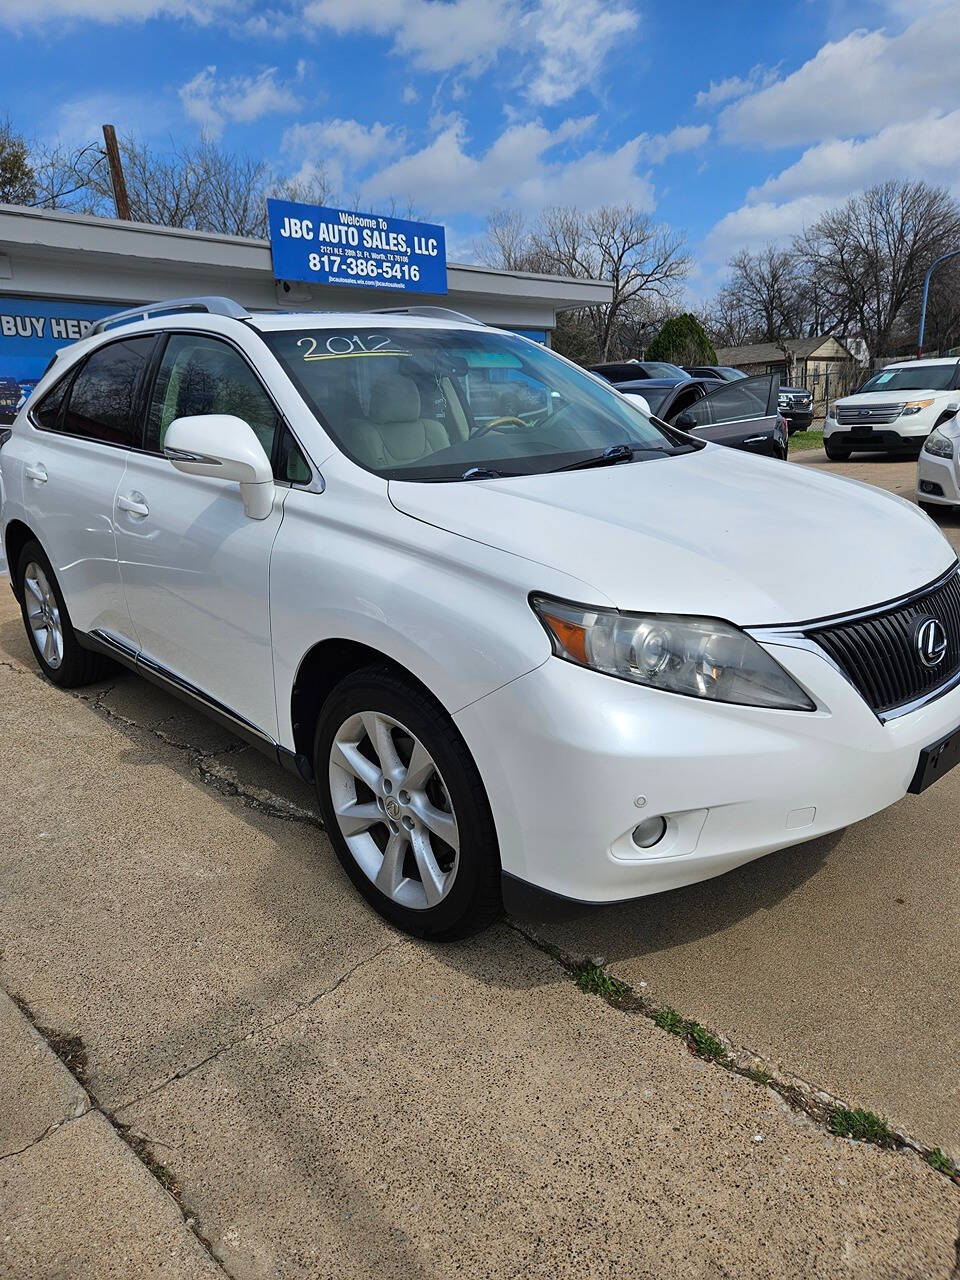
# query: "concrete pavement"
[[325, 1097]]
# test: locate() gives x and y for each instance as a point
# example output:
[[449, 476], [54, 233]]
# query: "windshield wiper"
[[613, 454], [481, 473]]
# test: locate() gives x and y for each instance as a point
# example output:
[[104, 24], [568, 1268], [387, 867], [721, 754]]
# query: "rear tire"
[[47, 623], [836, 453], [405, 807]]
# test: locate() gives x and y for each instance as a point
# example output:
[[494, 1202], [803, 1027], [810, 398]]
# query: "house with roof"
[[822, 364]]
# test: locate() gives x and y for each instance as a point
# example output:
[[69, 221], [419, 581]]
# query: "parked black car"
[[725, 372], [796, 405], [742, 414], [9, 398], [630, 370]]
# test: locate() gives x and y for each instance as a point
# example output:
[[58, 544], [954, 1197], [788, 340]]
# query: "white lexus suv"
[[506, 623], [894, 411]]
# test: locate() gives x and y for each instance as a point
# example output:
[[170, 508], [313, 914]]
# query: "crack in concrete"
[[299, 1007], [800, 1095], [200, 763], [138, 1145]]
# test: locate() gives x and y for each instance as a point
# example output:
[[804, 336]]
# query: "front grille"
[[868, 414], [879, 653]]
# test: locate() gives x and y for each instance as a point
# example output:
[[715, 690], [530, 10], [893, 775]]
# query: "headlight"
[[938, 444], [914, 406], [699, 657]]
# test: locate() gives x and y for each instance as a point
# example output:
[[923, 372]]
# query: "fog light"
[[649, 832]]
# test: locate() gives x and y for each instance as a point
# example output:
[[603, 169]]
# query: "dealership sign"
[[334, 246], [32, 330]]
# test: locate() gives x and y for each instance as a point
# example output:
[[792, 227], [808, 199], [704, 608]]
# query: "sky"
[[735, 123]]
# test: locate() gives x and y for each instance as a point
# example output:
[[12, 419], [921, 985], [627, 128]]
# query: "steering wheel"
[[497, 424]]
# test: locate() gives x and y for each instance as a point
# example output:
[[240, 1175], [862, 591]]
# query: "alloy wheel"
[[43, 615], [394, 810]]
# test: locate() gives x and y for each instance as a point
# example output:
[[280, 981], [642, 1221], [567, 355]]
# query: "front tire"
[[836, 453], [405, 808], [47, 623]]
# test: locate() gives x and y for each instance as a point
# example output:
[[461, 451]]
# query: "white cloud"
[[29, 13], [341, 149], [755, 225], [573, 38], [409, 94], [433, 34], [685, 137], [927, 148], [564, 41], [79, 120], [211, 101], [519, 168], [732, 87], [855, 86]]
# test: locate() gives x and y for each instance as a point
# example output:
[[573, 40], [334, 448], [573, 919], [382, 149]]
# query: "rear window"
[[102, 402]]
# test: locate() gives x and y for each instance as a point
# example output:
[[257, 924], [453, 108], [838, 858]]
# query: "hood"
[[717, 533], [896, 397]]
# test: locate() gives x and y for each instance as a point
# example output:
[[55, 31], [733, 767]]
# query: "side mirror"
[[224, 447], [686, 421]]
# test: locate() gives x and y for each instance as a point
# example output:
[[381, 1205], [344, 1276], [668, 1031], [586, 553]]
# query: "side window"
[[199, 375], [292, 467], [734, 401], [47, 412], [102, 400]]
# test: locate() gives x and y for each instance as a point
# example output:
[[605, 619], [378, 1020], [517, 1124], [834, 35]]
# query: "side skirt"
[[119, 651]]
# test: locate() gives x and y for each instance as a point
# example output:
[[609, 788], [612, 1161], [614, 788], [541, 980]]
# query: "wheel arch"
[[321, 669], [15, 537]]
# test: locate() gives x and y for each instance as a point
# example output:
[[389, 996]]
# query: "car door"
[[194, 566], [741, 414], [74, 457]]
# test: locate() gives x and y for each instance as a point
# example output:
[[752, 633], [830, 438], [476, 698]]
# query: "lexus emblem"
[[931, 640]]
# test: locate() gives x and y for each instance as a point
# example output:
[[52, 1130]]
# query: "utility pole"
[[120, 197], [944, 257]]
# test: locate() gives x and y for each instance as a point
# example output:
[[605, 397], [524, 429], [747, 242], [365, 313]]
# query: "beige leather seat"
[[393, 433]]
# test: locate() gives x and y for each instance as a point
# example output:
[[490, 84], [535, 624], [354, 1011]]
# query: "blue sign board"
[[336, 246], [32, 330]]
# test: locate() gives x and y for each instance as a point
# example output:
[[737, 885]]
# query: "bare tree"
[[763, 299], [201, 188], [63, 177], [643, 261], [870, 255]]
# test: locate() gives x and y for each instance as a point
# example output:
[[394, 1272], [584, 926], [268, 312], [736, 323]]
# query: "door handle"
[[134, 504], [38, 473]]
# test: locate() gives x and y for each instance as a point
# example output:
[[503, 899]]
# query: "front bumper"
[[574, 760], [902, 435], [937, 480], [797, 419]]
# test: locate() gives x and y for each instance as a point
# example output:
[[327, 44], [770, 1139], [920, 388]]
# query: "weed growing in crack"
[[595, 981], [937, 1160], [670, 1021], [702, 1041], [865, 1126]]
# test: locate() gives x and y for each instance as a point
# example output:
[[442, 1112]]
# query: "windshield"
[[660, 369], [438, 404], [925, 377]]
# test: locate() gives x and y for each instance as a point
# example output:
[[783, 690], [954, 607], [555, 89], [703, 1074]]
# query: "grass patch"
[[699, 1038], [802, 440], [937, 1160], [865, 1126], [595, 981]]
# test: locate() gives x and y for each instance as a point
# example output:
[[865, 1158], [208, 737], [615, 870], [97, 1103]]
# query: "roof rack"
[[436, 313], [213, 306]]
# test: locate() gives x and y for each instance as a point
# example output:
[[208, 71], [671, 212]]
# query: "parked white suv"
[[505, 622], [894, 411]]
